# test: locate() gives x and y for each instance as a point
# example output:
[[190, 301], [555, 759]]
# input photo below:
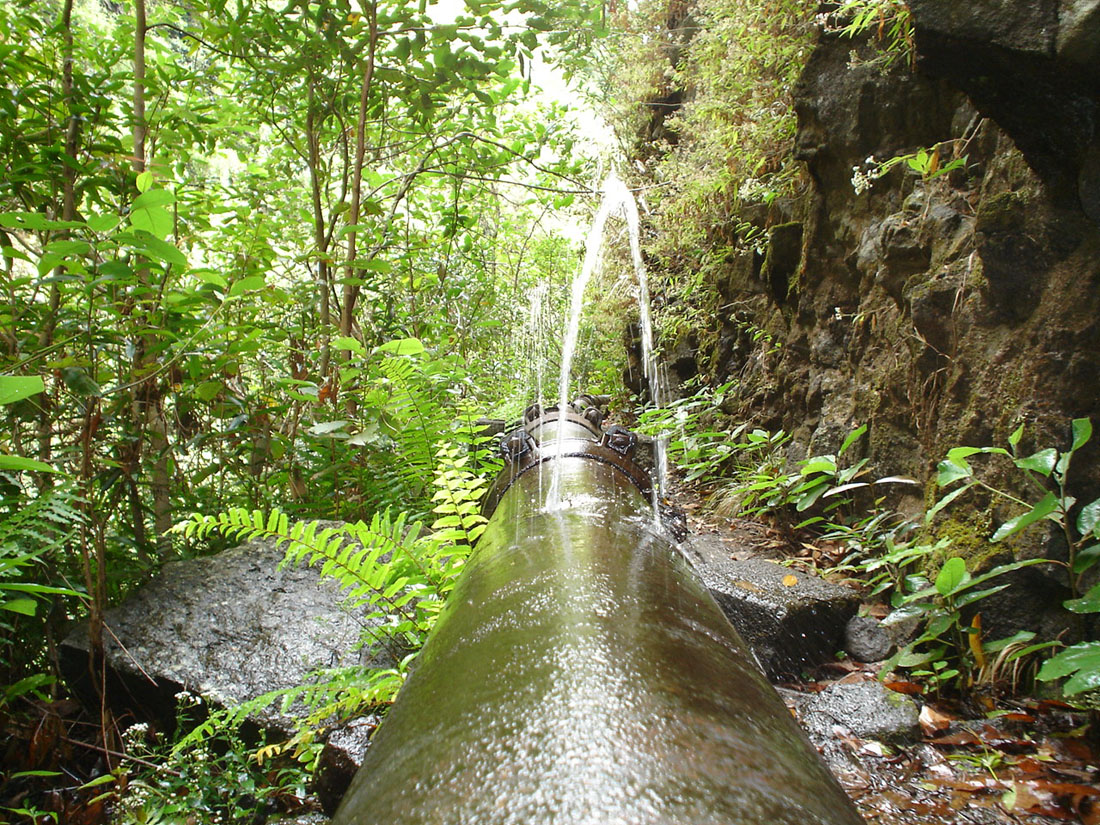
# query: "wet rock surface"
[[865, 709], [340, 758], [229, 628], [865, 640], [791, 620]]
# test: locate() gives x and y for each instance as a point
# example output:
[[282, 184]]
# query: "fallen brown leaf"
[[932, 721]]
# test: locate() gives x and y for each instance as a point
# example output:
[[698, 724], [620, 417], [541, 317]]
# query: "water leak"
[[617, 199]]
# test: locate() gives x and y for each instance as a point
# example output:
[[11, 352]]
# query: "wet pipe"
[[581, 673]]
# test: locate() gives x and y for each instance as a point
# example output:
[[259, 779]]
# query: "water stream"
[[616, 199]]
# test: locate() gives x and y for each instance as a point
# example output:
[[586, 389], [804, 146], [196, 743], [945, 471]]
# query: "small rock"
[[866, 641], [866, 709], [901, 625]]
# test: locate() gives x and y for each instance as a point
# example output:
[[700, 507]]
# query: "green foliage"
[[700, 453], [926, 164], [701, 94], [888, 20], [822, 483], [1047, 472], [1079, 662], [949, 647], [395, 573], [216, 780]]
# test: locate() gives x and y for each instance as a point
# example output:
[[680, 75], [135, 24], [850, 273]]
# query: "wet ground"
[[991, 759]]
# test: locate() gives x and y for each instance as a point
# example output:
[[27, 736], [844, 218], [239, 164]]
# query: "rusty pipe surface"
[[581, 673]]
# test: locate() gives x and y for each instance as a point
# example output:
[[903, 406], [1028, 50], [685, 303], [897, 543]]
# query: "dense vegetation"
[[270, 263], [255, 256]]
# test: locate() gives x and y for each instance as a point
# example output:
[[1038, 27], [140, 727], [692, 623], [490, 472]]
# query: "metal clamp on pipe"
[[557, 434]]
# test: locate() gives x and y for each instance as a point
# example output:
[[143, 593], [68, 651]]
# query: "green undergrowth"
[[934, 567], [395, 572]]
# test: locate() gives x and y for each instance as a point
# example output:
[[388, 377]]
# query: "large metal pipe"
[[582, 674]]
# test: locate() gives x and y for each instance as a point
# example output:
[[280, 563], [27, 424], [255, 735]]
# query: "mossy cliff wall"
[[946, 311]]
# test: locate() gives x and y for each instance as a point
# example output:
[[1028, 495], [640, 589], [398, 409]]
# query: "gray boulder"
[[791, 620], [231, 628]]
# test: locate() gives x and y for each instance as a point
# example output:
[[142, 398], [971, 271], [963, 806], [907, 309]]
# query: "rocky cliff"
[[939, 309]]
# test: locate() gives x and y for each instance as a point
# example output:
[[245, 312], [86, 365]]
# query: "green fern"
[[390, 568], [33, 532]]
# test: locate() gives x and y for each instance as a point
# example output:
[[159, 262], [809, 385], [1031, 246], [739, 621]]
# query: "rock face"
[[790, 620], [942, 311]]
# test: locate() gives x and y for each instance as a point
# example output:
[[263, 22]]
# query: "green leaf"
[[152, 198], [104, 223], [25, 607], [156, 220], [943, 502], [819, 464], [16, 462], [1041, 462], [910, 658], [1001, 569], [144, 181], [208, 276], [807, 500], [17, 387], [249, 284], [1089, 603], [402, 346], [1081, 659], [327, 427], [34, 221], [1086, 558], [937, 626], [1014, 439], [952, 574], [347, 343], [972, 596], [948, 472], [1082, 432], [207, 390], [853, 436], [100, 780], [1088, 518], [160, 250], [1041, 510]]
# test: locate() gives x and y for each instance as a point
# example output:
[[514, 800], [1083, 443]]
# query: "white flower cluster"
[[864, 178], [751, 190], [136, 796], [135, 735]]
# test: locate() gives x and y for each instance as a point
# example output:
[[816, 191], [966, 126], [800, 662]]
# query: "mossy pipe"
[[581, 673]]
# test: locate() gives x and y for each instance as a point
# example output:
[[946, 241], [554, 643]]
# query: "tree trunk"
[[351, 290]]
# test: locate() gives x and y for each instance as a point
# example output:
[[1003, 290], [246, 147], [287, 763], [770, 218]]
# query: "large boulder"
[[231, 628]]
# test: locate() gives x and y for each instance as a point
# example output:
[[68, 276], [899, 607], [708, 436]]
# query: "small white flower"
[[186, 698]]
